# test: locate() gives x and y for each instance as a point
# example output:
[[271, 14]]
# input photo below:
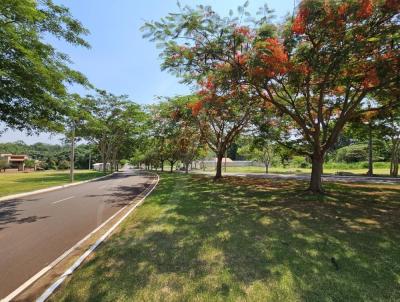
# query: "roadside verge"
[[42, 285], [19, 195]]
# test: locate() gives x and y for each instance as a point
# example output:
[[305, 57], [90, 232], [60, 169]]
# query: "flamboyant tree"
[[321, 67], [188, 135], [201, 47]]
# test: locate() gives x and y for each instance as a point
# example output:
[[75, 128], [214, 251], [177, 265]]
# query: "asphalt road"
[[36, 229]]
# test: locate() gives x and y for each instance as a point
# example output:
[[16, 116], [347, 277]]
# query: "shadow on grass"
[[253, 240]]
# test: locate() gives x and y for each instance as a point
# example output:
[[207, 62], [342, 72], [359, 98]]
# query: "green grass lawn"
[[18, 182], [289, 170], [249, 240]]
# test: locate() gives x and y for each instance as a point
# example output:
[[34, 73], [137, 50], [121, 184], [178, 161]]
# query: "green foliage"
[[49, 156], [352, 153], [123, 162], [34, 74], [63, 165], [30, 163], [4, 164], [114, 125]]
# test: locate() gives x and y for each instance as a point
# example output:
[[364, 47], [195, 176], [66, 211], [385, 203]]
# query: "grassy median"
[[249, 240], [19, 182]]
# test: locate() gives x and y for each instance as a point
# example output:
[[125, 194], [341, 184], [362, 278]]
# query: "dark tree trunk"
[[370, 156], [316, 173], [186, 168], [266, 168], [104, 166], [394, 161], [162, 165], [218, 173], [172, 166]]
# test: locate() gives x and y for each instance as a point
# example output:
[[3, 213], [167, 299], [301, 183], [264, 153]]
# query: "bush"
[[123, 162], [50, 165], [300, 162], [63, 165], [29, 163], [4, 164], [352, 153]]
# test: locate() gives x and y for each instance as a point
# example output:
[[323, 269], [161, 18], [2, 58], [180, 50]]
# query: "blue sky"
[[120, 60]]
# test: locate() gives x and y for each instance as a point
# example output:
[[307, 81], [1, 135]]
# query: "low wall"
[[234, 163]]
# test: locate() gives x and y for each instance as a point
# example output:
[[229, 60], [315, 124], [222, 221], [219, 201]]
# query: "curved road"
[[36, 229]]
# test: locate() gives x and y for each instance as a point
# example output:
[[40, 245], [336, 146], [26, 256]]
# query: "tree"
[[389, 122], [187, 134], [323, 65], [114, 124], [33, 75], [4, 164], [366, 126], [201, 47]]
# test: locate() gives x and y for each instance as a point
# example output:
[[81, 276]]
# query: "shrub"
[[4, 164], [123, 162], [300, 162], [29, 163], [352, 153], [63, 165]]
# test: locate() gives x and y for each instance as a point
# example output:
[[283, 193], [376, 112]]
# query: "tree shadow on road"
[[249, 239]]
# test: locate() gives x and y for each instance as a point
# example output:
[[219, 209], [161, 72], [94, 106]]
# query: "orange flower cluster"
[[276, 59], [207, 84], [299, 24], [240, 58], [196, 107], [342, 9], [371, 79], [366, 9], [242, 31]]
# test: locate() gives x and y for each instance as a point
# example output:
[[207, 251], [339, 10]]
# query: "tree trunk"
[[162, 165], [72, 157], [103, 157], [316, 173], [218, 173], [186, 168], [394, 160], [172, 167], [266, 168], [370, 156]]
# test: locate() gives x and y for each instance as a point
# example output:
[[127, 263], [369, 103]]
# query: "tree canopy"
[[33, 74]]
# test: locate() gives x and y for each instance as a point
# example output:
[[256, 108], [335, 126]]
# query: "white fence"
[[200, 164]]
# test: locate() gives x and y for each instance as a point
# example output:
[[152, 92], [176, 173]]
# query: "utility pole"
[[90, 160], [72, 154]]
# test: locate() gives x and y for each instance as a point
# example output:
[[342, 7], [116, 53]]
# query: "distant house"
[[15, 161], [99, 166], [224, 159]]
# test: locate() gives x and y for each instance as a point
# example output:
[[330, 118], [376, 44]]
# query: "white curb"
[[53, 287], [78, 262], [19, 195]]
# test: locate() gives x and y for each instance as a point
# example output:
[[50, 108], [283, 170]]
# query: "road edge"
[[54, 188], [18, 291], [50, 290]]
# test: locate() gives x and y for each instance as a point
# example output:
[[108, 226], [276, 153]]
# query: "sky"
[[120, 60]]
